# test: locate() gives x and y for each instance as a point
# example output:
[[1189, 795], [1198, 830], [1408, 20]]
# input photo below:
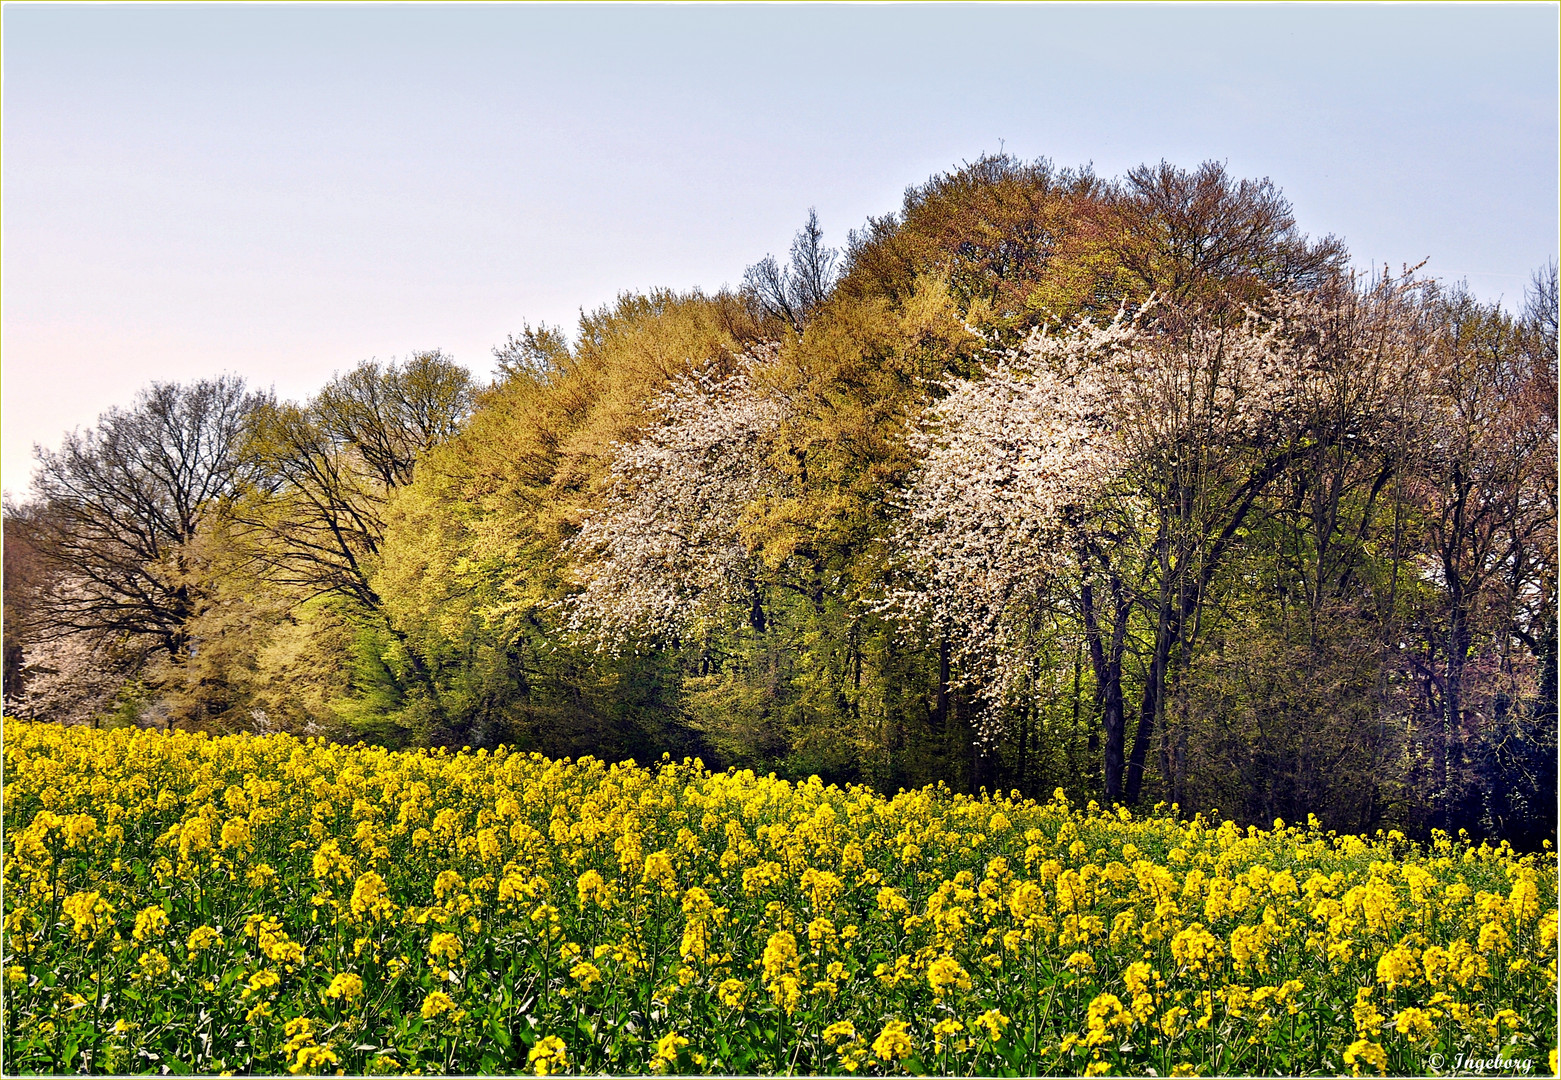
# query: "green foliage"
[[390, 560]]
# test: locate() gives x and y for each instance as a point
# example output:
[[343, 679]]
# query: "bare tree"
[[1542, 313], [1483, 483], [1483, 487], [793, 293], [391, 415], [119, 503], [1204, 235]]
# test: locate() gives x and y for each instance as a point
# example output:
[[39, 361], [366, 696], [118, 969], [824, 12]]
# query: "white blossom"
[[71, 679], [1077, 435], [666, 551], [1006, 457]]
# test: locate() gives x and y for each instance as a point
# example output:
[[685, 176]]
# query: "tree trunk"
[[1458, 640], [1106, 659], [1150, 706], [940, 712]]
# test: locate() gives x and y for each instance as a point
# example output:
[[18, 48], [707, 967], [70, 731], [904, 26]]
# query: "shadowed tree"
[[1204, 236], [27, 579], [121, 502]]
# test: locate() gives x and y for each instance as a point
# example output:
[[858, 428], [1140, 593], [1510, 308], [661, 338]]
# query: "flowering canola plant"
[[270, 904]]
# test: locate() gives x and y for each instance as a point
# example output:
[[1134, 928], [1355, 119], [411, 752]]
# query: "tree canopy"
[[1121, 485]]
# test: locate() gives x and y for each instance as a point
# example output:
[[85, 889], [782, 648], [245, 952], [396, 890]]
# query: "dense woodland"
[[1124, 486]]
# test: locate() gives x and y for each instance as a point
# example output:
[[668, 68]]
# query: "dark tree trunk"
[[940, 712], [1149, 707], [1106, 659]]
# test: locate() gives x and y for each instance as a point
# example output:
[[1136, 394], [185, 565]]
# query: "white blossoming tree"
[[1009, 460], [1111, 470], [666, 552], [74, 679]]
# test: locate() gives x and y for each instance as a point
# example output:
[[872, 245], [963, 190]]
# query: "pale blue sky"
[[282, 191]]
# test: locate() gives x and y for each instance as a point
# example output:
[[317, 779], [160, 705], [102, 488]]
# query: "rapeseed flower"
[[667, 1049], [345, 987], [734, 902], [548, 1056], [893, 1042], [838, 1032], [945, 975], [437, 1004], [150, 922], [1365, 1052]]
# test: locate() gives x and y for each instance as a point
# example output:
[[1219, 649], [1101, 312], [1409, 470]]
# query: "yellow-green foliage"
[[476, 535], [266, 904]]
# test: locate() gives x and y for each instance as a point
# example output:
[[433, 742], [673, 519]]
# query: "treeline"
[[1046, 480]]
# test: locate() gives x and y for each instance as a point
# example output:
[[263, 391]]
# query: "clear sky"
[[284, 190]]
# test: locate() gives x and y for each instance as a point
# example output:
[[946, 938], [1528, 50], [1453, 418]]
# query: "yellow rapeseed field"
[[272, 904]]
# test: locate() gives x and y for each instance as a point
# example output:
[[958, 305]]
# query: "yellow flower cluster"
[[270, 904]]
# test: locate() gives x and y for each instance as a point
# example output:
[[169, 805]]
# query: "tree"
[[1541, 323], [1542, 317], [122, 501], [666, 550], [1484, 485], [535, 354], [1008, 460], [1121, 464], [472, 571], [76, 679], [792, 294], [1204, 236], [1017, 244], [311, 526], [27, 580], [314, 511]]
